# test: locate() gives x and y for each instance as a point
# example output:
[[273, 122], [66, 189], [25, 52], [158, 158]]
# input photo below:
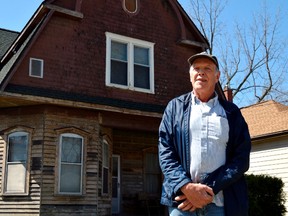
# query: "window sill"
[[14, 194], [68, 195]]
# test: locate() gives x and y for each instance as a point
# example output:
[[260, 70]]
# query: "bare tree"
[[207, 15], [251, 58]]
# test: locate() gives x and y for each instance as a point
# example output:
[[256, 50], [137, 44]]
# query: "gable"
[[71, 40]]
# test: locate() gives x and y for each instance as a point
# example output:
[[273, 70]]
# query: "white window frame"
[[81, 164], [131, 42], [105, 165], [25, 189], [31, 68]]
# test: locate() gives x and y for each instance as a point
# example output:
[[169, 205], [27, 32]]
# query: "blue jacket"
[[174, 156]]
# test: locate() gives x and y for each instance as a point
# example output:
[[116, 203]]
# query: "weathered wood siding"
[[271, 158], [131, 145], [23, 205], [47, 124], [52, 202]]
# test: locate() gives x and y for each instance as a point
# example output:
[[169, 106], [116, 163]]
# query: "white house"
[[268, 126]]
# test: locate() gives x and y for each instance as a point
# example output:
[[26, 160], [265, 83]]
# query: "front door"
[[116, 184]]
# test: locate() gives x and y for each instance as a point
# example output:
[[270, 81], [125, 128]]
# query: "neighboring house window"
[[71, 164], [152, 173], [105, 167], [36, 67], [16, 173], [129, 63], [130, 6]]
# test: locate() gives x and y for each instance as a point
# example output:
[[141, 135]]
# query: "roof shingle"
[[6, 39], [266, 118]]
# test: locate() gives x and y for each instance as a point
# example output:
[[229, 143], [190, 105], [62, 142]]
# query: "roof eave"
[[34, 20], [204, 42], [270, 135]]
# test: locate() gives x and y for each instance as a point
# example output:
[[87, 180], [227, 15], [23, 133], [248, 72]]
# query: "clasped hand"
[[194, 196]]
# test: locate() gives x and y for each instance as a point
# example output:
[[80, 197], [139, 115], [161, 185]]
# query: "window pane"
[[105, 155], [36, 67], [130, 5], [71, 151], [70, 179], [17, 148], [152, 165], [15, 182], [119, 73], [152, 173], [119, 51], [114, 187], [141, 77], [105, 180], [152, 183], [130, 62], [141, 55], [115, 167]]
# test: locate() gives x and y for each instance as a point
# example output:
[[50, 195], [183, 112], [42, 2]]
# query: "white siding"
[[271, 159]]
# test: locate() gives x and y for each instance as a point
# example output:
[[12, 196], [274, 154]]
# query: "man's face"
[[204, 75]]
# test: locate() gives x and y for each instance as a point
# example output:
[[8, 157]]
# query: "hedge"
[[266, 195]]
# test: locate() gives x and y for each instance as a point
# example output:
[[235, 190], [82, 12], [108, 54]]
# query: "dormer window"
[[129, 63], [36, 67]]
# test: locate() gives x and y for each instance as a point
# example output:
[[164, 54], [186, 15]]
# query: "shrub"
[[266, 195]]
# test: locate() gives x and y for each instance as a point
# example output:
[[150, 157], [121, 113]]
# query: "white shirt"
[[209, 131]]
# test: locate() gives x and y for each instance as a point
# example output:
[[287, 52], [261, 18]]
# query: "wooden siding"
[[30, 204], [131, 146], [271, 158], [48, 123], [52, 202]]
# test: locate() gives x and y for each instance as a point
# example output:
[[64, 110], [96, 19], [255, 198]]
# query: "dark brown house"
[[82, 91]]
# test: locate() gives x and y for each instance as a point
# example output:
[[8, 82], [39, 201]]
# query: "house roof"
[[266, 118], [6, 39]]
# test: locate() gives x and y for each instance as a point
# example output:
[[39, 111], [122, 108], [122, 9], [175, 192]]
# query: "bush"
[[266, 195]]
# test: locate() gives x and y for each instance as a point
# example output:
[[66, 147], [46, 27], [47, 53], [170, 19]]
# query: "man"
[[204, 148]]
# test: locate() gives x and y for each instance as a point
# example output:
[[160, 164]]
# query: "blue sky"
[[242, 11], [14, 14]]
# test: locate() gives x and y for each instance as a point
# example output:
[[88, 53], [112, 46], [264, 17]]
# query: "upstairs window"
[[36, 67], [130, 6], [129, 63], [16, 174], [71, 164]]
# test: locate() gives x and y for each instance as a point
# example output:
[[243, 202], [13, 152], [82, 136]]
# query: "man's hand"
[[185, 205], [196, 195]]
